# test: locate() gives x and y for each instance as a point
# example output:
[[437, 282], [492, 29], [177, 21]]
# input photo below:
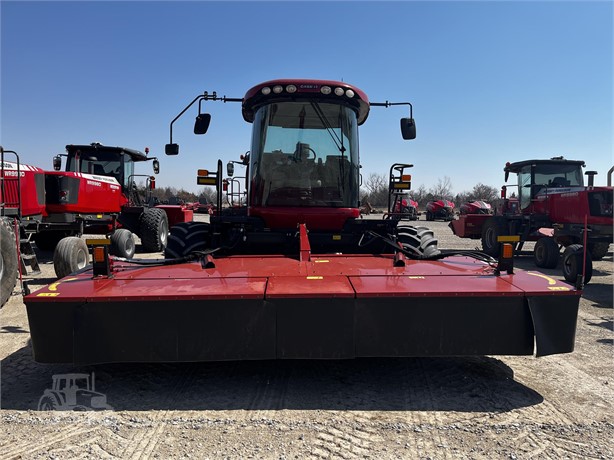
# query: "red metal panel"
[[536, 283], [177, 214], [430, 286], [114, 290], [26, 183], [97, 194], [469, 225], [282, 277], [69, 289], [309, 287], [332, 219]]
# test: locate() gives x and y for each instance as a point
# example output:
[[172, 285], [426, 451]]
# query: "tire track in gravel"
[[145, 439], [349, 436], [560, 448], [272, 388], [45, 442]]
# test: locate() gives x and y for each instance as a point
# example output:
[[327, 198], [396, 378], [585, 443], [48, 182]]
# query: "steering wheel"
[[306, 151]]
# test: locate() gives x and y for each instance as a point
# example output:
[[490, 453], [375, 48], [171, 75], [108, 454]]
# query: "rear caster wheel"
[[546, 253], [70, 255], [572, 264], [122, 243]]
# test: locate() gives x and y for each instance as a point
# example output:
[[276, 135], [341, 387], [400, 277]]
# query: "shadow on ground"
[[478, 384]]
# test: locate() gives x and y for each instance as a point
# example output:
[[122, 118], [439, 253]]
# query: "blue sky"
[[490, 82]]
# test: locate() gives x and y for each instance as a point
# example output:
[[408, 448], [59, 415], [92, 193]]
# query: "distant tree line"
[[174, 195], [375, 192]]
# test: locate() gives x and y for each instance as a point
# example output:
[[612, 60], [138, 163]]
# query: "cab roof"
[[516, 167], [305, 89], [136, 155]]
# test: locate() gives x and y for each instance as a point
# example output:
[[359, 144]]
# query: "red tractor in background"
[[97, 194], [552, 207], [22, 201], [295, 272]]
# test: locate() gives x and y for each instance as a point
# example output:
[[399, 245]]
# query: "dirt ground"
[[504, 407]]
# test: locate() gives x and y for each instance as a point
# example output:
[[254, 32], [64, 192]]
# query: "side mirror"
[[156, 166], [507, 176], [57, 162], [171, 149], [230, 169], [408, 128], [201, 125]]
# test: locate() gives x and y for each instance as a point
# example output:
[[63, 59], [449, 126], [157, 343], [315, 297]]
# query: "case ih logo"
[[309, 87]]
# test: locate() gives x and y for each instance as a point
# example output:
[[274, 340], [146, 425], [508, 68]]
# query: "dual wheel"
[[152, 229], [71, 253], [546, 252]]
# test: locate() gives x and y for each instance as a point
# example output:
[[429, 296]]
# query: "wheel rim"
[[490, 237], [568, 265], [163, 233], [81, 259], [130, 246], [540, 253]]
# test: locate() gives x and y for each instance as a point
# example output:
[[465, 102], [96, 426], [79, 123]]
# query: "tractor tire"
[[546, 253], [71, 254], [421, 240], [122, 243], [48, 403], [493, 228], [9, 268], [154, 229], [187, 237], [598, 250], [429, 216], [572, 264]]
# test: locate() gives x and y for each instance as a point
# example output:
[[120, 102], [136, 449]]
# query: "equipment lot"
[[506, 407]]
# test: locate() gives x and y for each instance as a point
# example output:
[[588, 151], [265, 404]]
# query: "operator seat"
[[98, 170], [560, 182]]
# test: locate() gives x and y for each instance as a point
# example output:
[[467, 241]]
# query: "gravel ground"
[[418, 408]]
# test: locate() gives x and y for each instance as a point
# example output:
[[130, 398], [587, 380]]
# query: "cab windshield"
[[304, 154], [100, 163], [541, 178]]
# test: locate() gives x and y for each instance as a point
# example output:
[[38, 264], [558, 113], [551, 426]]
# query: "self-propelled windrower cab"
[[296, 272]]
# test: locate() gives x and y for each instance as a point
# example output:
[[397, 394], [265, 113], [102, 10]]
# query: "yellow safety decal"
[[98, 242], [206, 181], [54, 286], [559, 288], [551, 281], [336, 237], [401, 185], [416, 277], [48, 294], [315, 277], [508, 239], [321, 261]]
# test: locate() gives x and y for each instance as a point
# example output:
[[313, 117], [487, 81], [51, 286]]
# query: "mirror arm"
[[200, 98], [214, 97], [388, 104]]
